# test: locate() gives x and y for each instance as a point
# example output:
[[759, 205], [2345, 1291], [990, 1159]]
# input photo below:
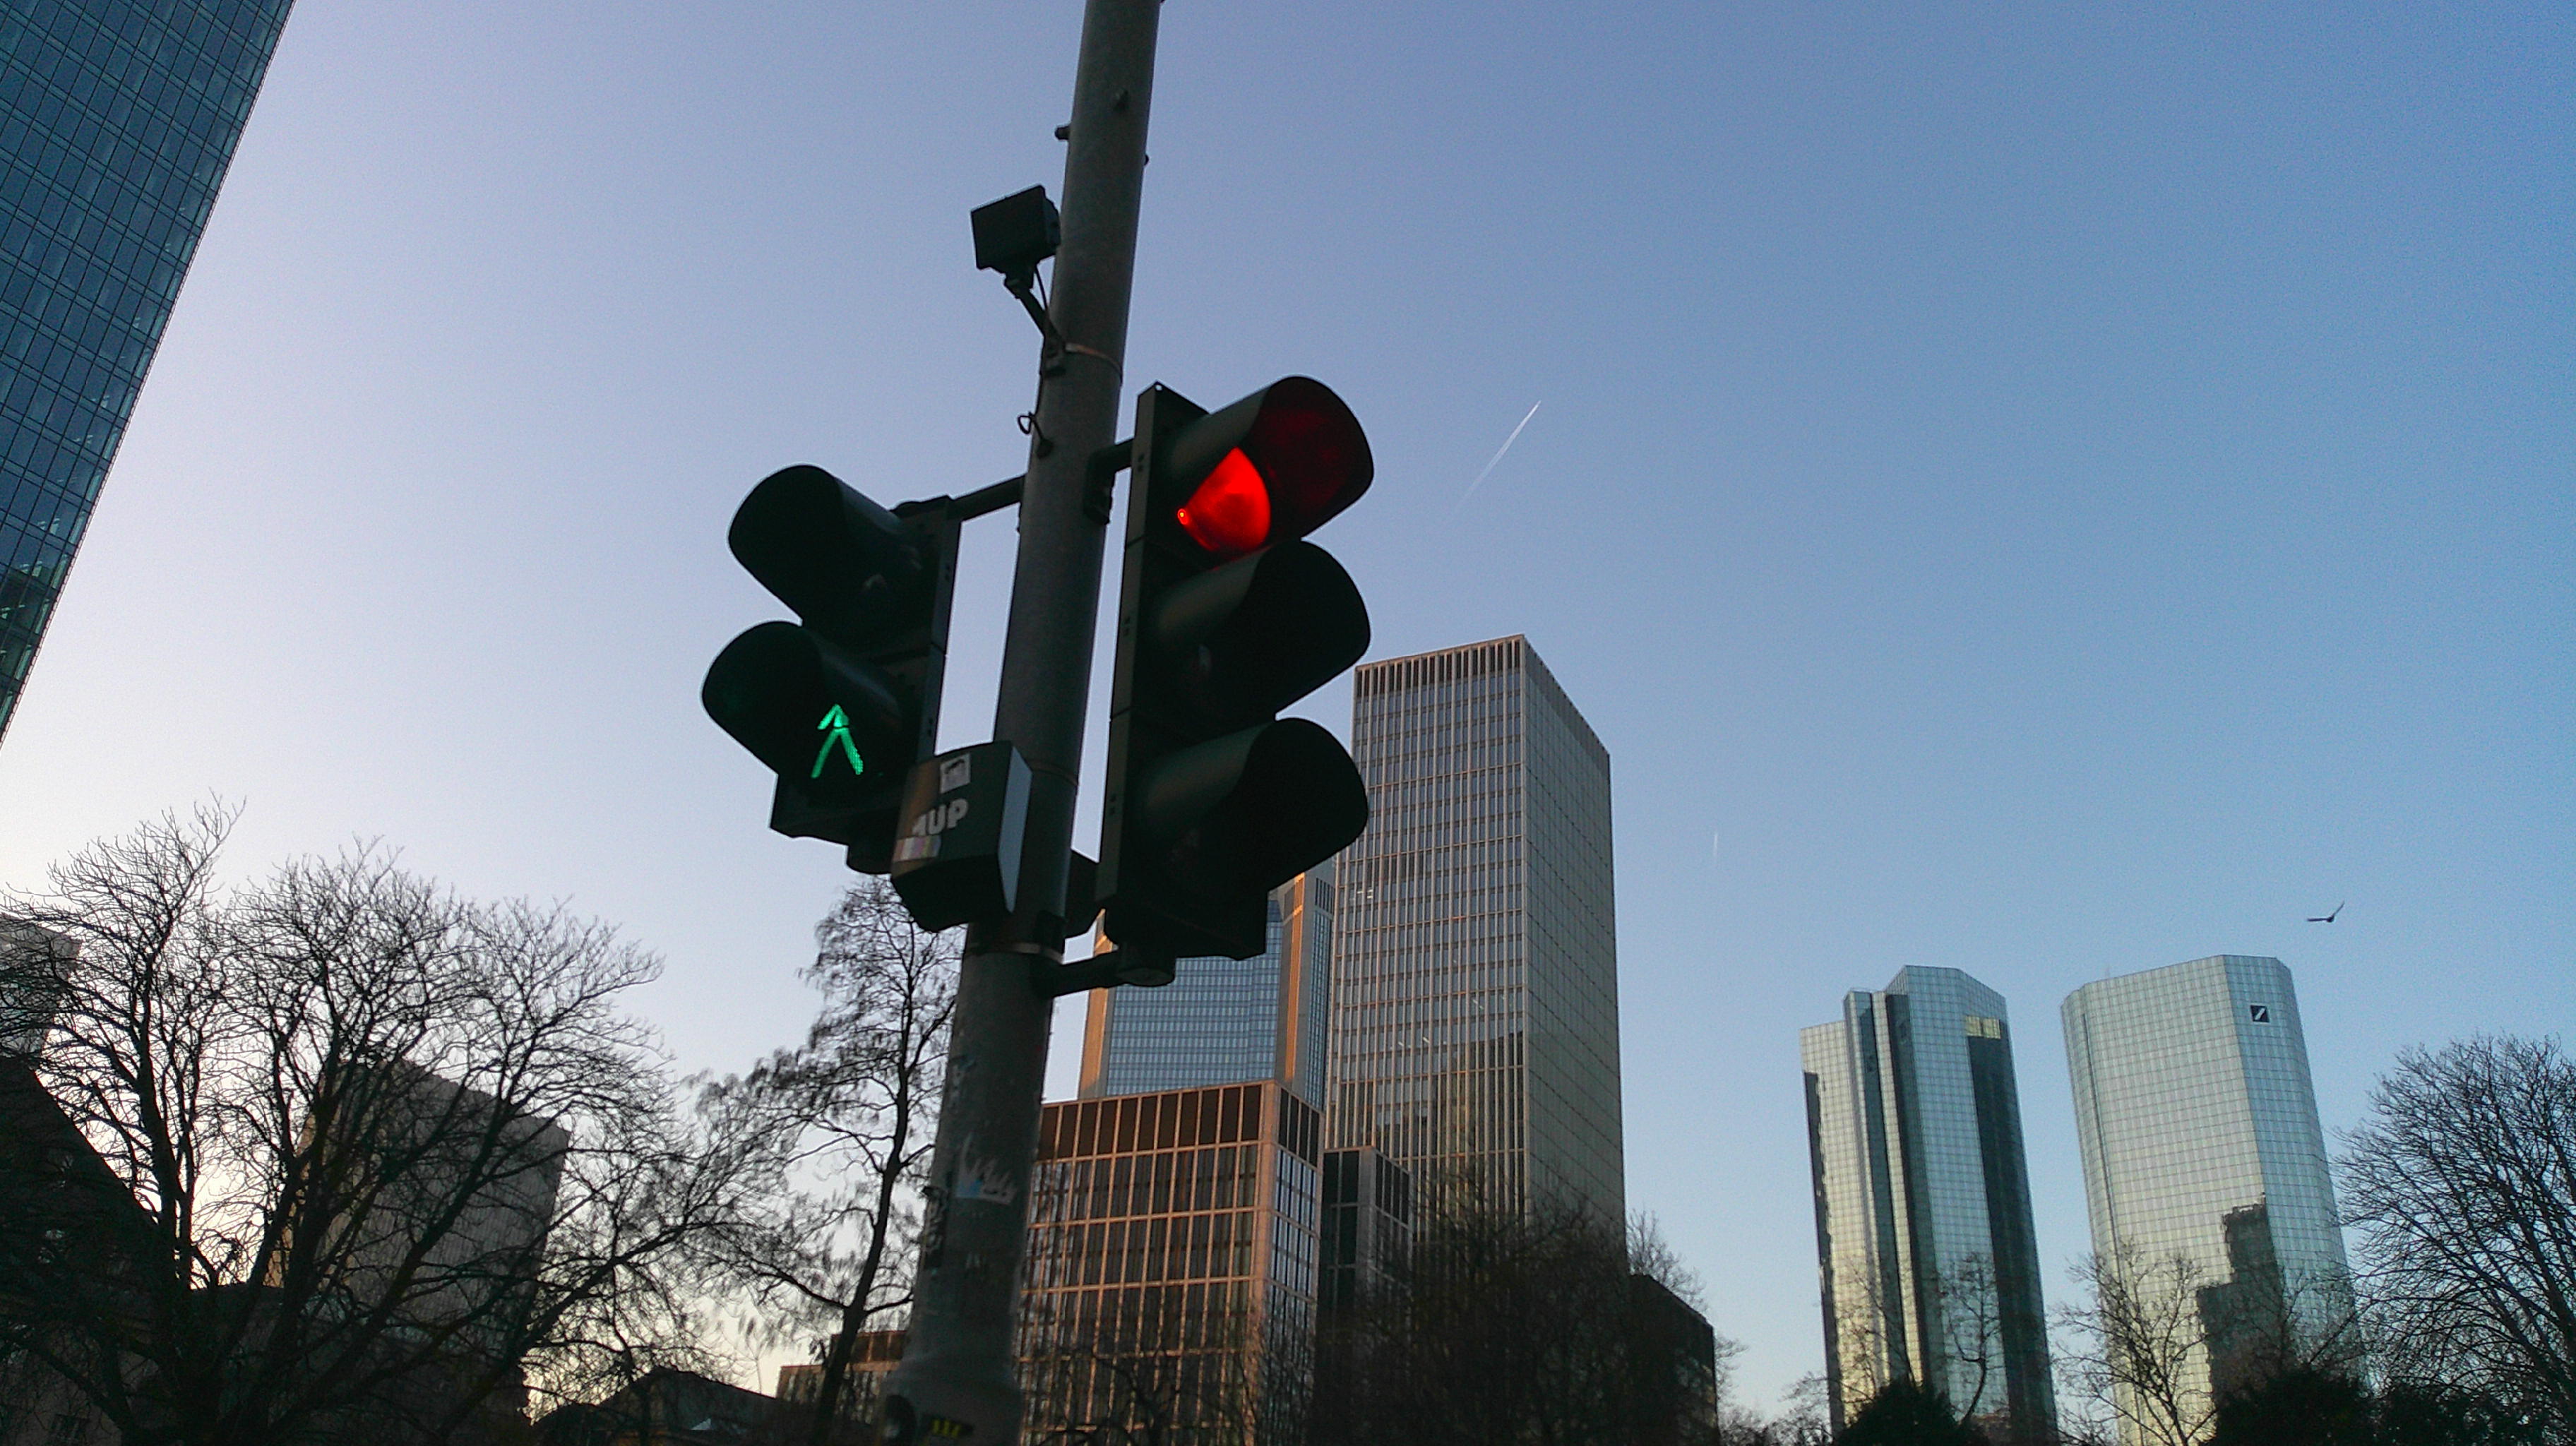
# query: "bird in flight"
[[2329, 918]]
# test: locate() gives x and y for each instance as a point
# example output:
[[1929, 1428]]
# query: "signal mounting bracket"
[[1105, 970]]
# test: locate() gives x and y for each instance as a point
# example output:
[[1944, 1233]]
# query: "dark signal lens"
[[1312, 452], [1229, 514]]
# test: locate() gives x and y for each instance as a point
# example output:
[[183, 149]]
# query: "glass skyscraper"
[[2204, 1164], [1927, 1259], [1475, 1034], [117, 120], [1224, 1021]]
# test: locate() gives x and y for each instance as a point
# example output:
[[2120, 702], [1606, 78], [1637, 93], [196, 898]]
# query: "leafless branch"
[[337, 1148], [2463, 1184]]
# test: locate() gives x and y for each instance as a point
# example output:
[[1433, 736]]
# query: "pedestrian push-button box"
[[957, 835]]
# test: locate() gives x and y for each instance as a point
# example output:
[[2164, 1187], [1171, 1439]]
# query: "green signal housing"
[[866, 657]]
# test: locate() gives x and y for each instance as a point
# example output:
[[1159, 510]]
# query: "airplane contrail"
[[1498, 456]]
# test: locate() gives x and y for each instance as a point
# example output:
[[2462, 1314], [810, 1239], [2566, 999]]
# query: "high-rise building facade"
[[464, 1195], [1368, 1227], [117, 121], [1475, 1035], [1172, 1267], [1927, 1260], [1224, 1021], [35, 981], [873, 1357], [2205, 1165]]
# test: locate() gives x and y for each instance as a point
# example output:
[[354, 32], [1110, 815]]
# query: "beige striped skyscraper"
[[1475, 1034]]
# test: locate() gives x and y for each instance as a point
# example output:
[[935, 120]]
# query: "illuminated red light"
[[1229, 514]]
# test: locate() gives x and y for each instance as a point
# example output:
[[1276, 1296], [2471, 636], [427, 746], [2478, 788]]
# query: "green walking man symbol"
[[839, 724]]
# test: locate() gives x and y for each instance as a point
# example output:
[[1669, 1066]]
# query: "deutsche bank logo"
[[2262, 1013]]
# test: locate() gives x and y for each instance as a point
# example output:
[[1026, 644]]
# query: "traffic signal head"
[[842, 703], [1225, 617], [1236, 644]]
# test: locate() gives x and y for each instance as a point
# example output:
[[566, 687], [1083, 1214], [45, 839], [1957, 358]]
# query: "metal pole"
[[957, 1370]]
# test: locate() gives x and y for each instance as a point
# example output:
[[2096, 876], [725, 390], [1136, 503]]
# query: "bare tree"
[[2161, 1343], [2463, 1182], [1800, 1421], [337, 1151], [1969, 1307], [663, 1322], [849, 1118], [2084, 1414], [2139, 1344], [1521, 1327], [1652, 1256]]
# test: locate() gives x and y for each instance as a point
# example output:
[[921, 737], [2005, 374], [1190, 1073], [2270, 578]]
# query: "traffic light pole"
[[957, 1379]]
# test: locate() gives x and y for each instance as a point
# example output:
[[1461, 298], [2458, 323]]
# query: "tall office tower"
[[2204, 1164], [1928, 1263], [1224, 1021], [1475, 1036], [117, 120], [1172, 1267]]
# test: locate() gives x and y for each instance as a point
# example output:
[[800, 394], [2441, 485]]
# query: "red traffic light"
[[1268, 469], [1229, 514], [1225, 616]]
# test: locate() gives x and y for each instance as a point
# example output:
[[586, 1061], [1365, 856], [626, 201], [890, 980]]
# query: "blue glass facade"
[[1224, 1021], [117, 121], [1927, 1260], [2205, 1169]]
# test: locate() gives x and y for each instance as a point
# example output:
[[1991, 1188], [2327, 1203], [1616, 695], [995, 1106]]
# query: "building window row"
[[1165, 1248], [1156, 1184]]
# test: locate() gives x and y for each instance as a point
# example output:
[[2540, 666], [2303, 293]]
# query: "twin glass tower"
[[1929, 1264], [117, 121], [2204, 1170]]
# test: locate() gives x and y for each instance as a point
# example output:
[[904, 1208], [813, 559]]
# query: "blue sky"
[[2050, 491]]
